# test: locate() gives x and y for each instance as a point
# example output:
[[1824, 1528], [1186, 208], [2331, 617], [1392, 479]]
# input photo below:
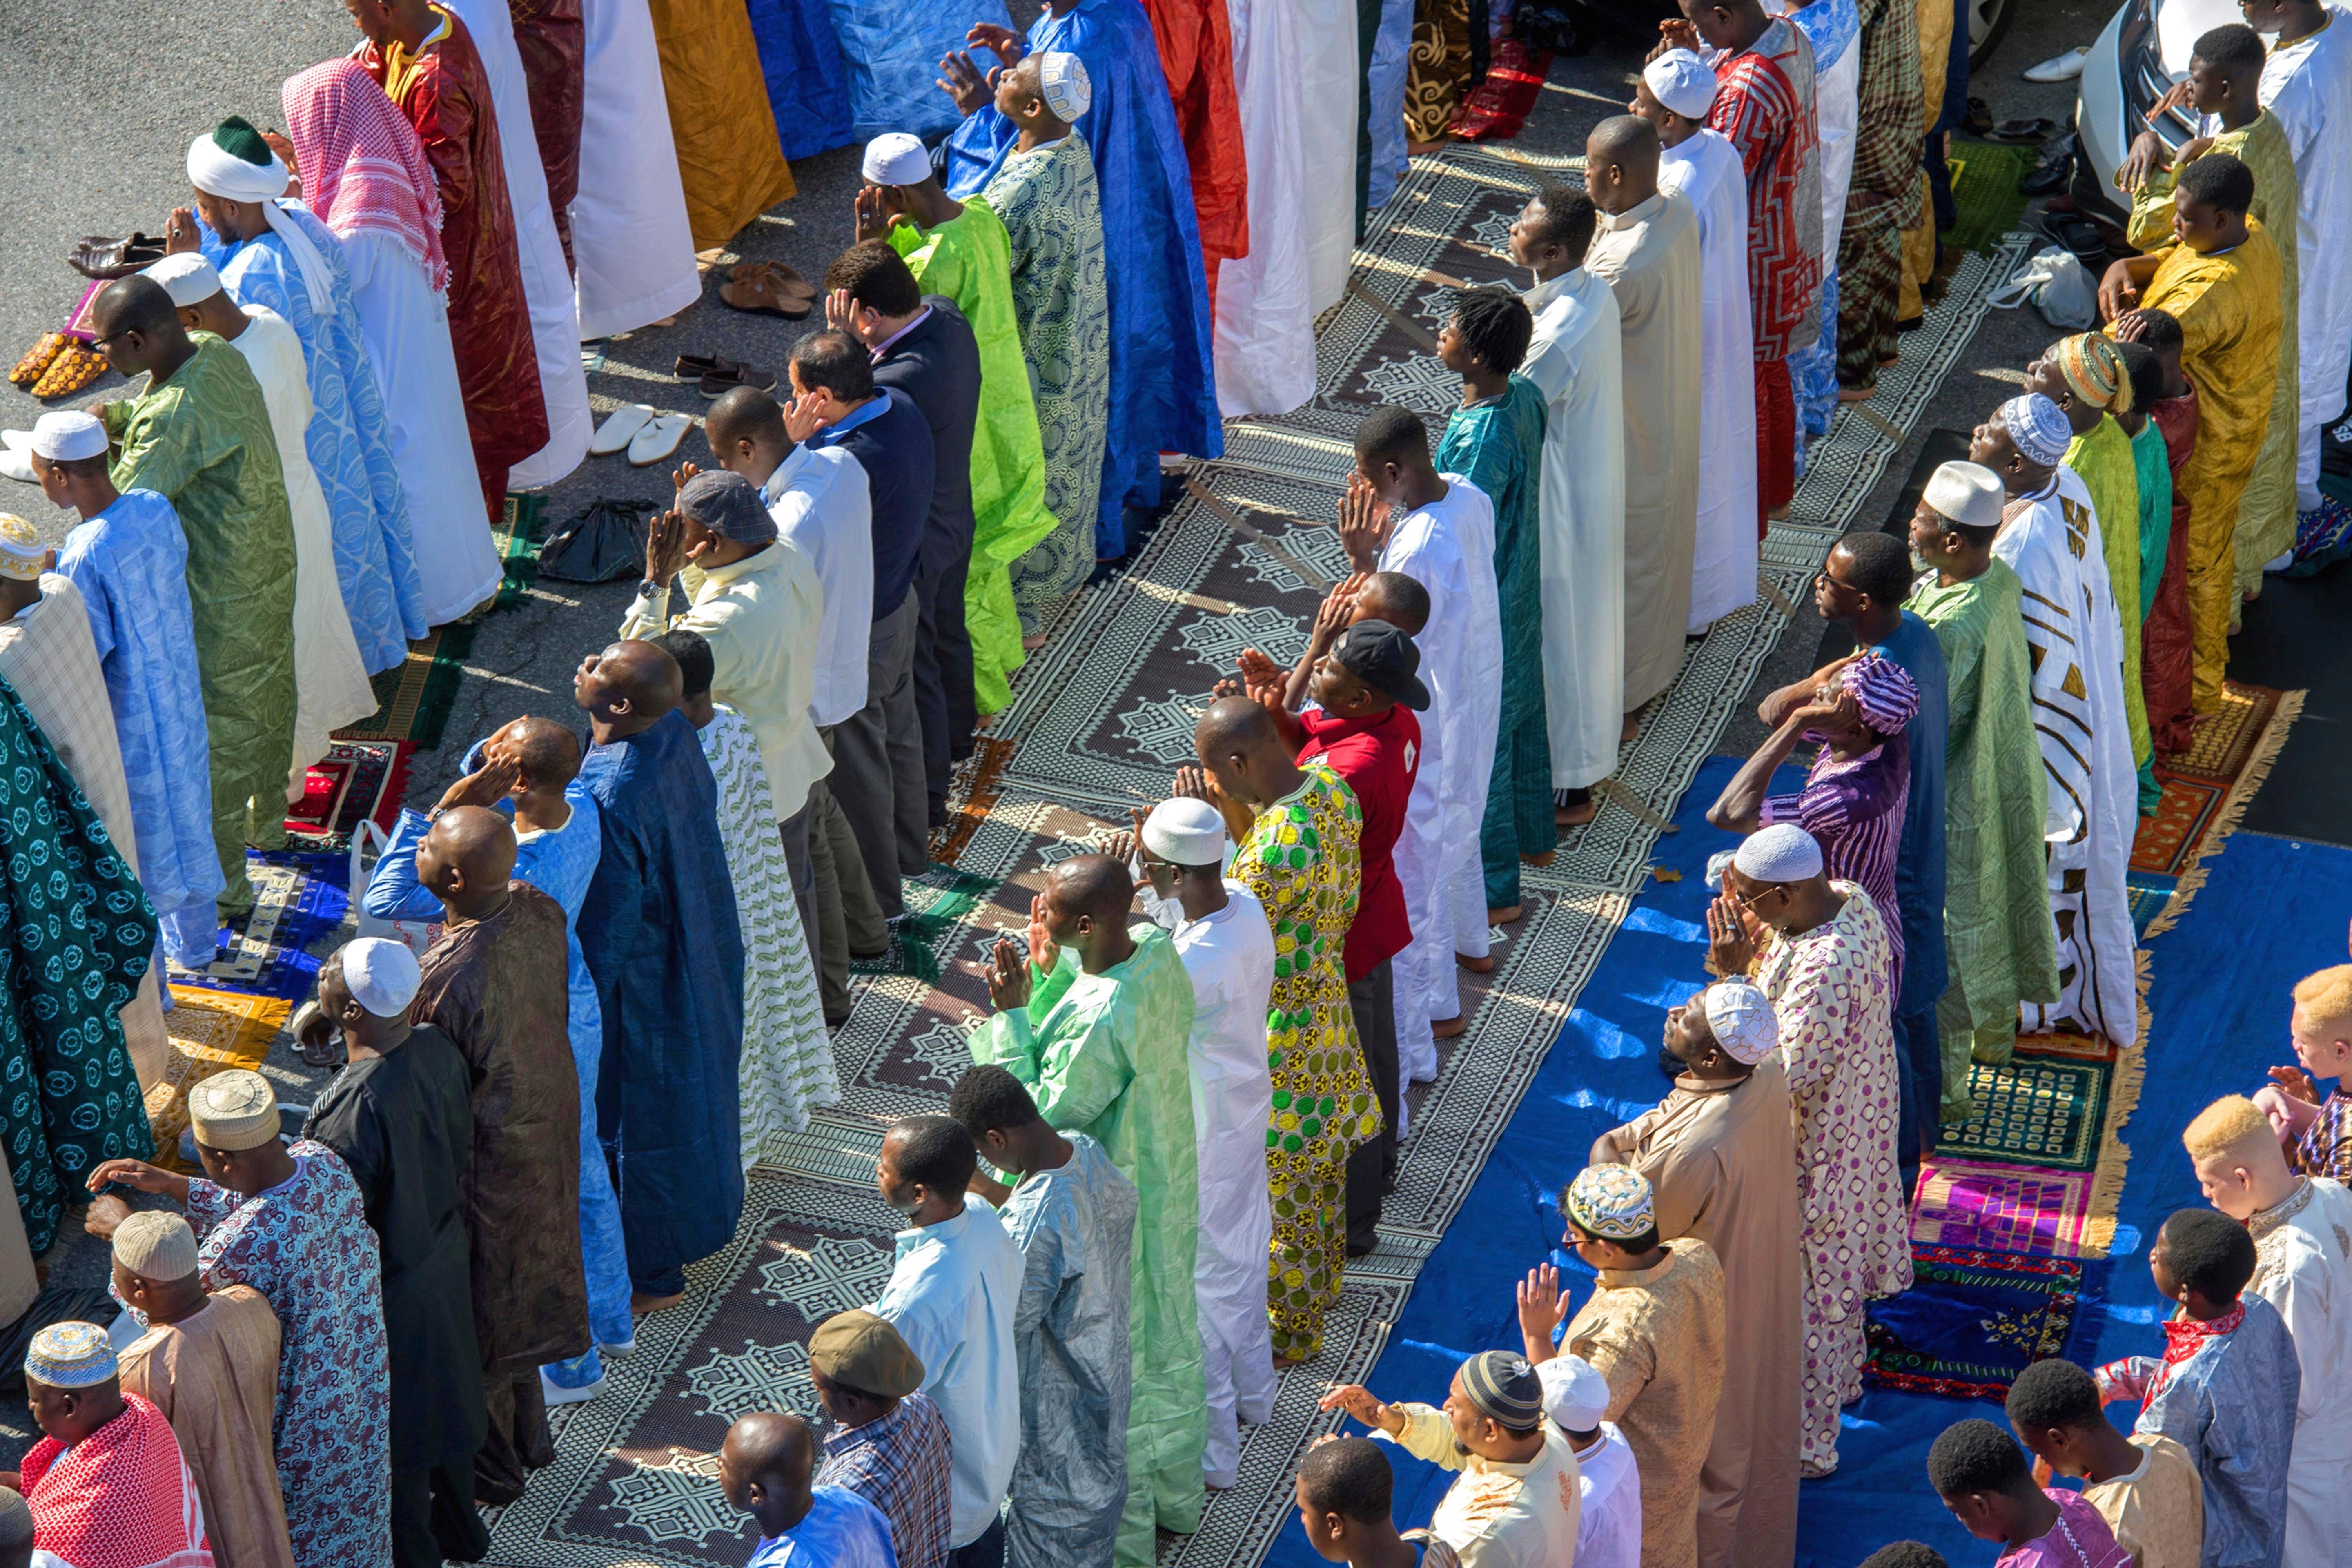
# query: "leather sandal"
[[785, 279], [760, 295], [99, 257]]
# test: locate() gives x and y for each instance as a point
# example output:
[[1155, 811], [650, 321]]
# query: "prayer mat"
[[299, 900], [211, 1031], [2206, 791], [2010, 1208], [1498, 108], [355, 782], [1985, 199], [1972, 1320], [2034, 1112], [414, 697]]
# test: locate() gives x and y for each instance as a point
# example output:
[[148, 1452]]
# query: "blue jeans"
[[1919, 1064]]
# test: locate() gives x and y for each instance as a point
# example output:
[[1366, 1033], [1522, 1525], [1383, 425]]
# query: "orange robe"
[[1196, 53]]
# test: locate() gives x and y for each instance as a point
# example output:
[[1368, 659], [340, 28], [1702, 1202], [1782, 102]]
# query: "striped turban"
[[1883, 691], [2095, 372]]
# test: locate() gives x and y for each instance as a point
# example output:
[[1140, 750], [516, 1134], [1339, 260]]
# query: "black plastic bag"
[[603, 544]]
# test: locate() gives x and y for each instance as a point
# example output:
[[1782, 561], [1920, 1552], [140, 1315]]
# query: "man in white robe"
[[1575, 359], [330, 682], [48, 656], [1265, 321], [2050, 537], [2302, 1227], [1326, 86], [1222, 934], [2307, 83], [629, 230], [1673, 95], [547, 284], [1647, 249], [1401, 515]]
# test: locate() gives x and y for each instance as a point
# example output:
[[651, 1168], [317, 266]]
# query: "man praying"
[[105, 1482], [1097, 1023]]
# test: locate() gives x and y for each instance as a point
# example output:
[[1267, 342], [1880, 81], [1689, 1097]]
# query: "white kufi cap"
[[1185, 833], [1575, 1394], [1968, 493], [897, 158], [1740, 1018], [1782, 852], [68, 434], [1063, 82], [186, 277], [382, 975], [1680, 79]]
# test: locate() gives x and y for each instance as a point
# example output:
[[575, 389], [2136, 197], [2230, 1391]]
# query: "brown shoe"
[[760, 295], [781, 277]]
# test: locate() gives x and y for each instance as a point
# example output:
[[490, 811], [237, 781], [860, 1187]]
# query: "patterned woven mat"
[[211, 1031], [355, 782], [1100, 717], [2034, 1112], [1972, 1320], [299, 901], [2198, 784]]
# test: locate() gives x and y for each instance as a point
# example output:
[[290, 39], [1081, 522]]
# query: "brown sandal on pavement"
[[786, 280], [760, 295]]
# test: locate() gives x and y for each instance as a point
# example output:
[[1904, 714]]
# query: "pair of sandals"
[[59, 365], [101, 258], [715, 376], [769, 288], [643, 431]]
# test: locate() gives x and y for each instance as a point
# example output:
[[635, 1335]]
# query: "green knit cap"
[[236, 137]]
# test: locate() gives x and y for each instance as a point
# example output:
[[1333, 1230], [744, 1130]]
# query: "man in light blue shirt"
[[764, 1467], [952, 1296]]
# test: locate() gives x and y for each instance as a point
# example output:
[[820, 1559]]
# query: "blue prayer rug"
[[299, 901], [1972, 1320]]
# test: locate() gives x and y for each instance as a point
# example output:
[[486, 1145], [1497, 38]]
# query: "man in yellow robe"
[[2224, 71], [2221, 283]]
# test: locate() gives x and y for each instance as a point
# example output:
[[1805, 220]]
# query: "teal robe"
[[1107, 1055], [1497, 446]]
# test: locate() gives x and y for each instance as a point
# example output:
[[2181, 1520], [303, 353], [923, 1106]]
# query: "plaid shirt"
[[1765, 107], [2327, 1147], [899, 1464]]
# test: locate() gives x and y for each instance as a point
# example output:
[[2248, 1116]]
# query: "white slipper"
[[555, 1394], [17, 440], [17, 463], [658, 439], [620, 426], [2060, 67]]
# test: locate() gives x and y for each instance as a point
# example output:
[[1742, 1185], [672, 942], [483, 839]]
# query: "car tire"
[[1988, 25]]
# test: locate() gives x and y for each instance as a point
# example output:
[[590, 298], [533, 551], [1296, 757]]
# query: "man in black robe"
[[659, 936], [497, 982], [401, 1116]]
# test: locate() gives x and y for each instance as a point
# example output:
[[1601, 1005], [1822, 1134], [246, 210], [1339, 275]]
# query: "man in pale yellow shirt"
[[2146, 1487]]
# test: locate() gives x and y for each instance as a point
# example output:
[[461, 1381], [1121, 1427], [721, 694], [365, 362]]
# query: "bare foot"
[[1418, 148], [984, 722], [1540, 862], [1575, 816], [1631, 728], [105, 1214], [1778, 514], [1032, 644], [1484, 965], [1857, 393], [640, 1303], [1507, 913], [1447, 1028]]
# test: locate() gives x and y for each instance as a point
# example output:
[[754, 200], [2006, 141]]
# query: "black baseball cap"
[[1385, 659]]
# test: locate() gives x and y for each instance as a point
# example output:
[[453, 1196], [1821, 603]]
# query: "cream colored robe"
[[1649, 255], [1721, 1161]]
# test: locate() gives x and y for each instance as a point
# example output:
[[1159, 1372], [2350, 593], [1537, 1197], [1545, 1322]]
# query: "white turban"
[[186, 277], [1968, 493], [381, 974], [216, 169], [68, 434], [1575, 1394], [1680, 80], [896, 158], [1783, 852], [1740, 1018], [1185, 833], [1063, 82]]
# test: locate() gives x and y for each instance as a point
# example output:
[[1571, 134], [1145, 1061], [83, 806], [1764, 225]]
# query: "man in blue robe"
[[658, 932], [130, 560], [530, 769], [274, 254], [1163, 391]]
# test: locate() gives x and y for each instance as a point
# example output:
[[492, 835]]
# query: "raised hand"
[[871, 218], [486, 785], [1008, 977], [140, 1176], [2295, 1084], [1543, 1305], [1363, 525], [838, 311], [961, 81], [682, 473], [1043, 951], [1262, 679], [804, 416], [180, 232], [997, 39], [1358, 1401], [1729, 948], [665, 547]]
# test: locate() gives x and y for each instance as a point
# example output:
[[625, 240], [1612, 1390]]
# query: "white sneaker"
[[2060, 67], [2281, 565]]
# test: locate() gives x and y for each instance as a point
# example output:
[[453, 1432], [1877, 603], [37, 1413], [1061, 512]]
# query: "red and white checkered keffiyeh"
[[362, 164], [121, 1497]]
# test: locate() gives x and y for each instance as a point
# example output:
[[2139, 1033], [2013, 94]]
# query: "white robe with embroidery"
[[1448, 547], [546, 284], [1575, 360], [630, 236], [1707, 170], [2051, 540], [2302, 1266], [1265, 320], [2309, 85]]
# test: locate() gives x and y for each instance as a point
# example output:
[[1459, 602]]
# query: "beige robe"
[[48, 655], [215, 1378], [1721, 1161], [1649, 255], [1656, 1334], [2157, 1511], [1497, 1515]]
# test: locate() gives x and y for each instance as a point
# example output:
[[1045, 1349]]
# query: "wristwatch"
[[649, 589]]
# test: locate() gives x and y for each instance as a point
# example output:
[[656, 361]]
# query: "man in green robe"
[[1997, 928], [959, 249], [2225, 73], [199, 435], [1046, 193], [1099, 1026], [1495, 439]]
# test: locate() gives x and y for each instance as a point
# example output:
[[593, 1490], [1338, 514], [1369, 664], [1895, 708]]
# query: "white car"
[[2140, 53]]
